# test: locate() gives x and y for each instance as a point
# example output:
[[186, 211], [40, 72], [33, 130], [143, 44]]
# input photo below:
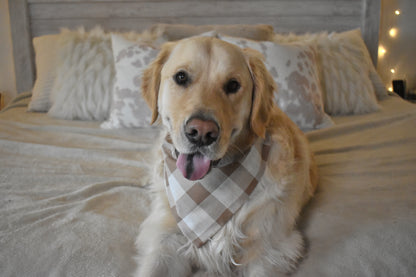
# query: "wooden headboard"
[[31, 18]]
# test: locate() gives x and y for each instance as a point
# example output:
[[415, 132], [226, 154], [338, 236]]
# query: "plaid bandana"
[[202, 207]]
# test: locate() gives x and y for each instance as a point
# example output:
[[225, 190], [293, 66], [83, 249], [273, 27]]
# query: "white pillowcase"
[[85, 75], [349, 80], [128, 108], [46, 48], [294, 70]]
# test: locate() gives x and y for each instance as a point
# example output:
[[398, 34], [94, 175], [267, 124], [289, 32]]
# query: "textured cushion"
[[85, 76], [46, 48], [59, 53], [179, 31], [346, 71], [294, 70], [128, 108], [349, 80], [379, 87]]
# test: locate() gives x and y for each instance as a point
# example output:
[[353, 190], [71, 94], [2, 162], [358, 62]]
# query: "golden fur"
[[261, 239]]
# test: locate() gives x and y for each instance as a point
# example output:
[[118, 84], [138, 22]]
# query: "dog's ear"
[[151, 79], [263, 89]]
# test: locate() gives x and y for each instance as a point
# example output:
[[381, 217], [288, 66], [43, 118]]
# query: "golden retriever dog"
[[216, 104]]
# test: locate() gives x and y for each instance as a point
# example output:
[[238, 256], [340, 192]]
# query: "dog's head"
[[213, 98]]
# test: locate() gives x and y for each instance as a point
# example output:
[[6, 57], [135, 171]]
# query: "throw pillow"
[[349, 79], [85, 75], [295, 72], [128, 108], [46, 48], [179, 31]]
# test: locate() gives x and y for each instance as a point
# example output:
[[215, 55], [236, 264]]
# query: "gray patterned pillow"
[[350, 82], [294, 69], [128, 108]]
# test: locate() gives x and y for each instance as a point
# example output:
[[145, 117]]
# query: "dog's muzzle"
[[201, 132]]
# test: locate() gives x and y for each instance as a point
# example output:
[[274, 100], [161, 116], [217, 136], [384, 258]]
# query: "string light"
[[381, 51], [393, 32]]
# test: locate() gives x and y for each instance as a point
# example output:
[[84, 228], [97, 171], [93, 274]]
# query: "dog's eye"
[[181, 78], [232, 86]]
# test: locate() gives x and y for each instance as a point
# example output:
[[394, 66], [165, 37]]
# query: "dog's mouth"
[[196, 163], [194, 166]]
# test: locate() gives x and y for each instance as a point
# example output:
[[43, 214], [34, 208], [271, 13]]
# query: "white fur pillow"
[[348, 77], [46, 48], [85, 76], [294, 70], [128, 108]]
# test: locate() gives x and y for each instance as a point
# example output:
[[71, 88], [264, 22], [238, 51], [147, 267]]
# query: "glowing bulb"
[[393, 32], [397, 12], [381, 51], [390, 89], [393, 70]]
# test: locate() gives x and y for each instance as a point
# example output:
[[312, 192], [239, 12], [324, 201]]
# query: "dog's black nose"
[[201, 132]]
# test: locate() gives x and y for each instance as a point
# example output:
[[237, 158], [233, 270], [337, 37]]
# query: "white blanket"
[[362, 221], [72, 196]]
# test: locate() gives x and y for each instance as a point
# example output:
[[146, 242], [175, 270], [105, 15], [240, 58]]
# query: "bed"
[[74, 185]]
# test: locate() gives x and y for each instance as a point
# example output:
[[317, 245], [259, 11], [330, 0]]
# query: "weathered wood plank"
[[370, 26], [22, 45], [120, 1], [78, 1], [192, 8], [281, 24]]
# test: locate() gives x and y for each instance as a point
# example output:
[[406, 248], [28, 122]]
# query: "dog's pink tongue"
[[193, 166]]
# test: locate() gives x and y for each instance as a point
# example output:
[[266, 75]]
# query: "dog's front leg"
[[279, 258], [158, 244], [280, 246], [163, 260]]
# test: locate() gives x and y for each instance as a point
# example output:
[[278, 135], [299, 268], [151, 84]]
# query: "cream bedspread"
[[72, 196]]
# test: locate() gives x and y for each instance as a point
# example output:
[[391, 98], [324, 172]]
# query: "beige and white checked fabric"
[[202, 207]]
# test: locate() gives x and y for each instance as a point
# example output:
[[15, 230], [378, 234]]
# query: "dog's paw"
[[288, 253], [280, 257]]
